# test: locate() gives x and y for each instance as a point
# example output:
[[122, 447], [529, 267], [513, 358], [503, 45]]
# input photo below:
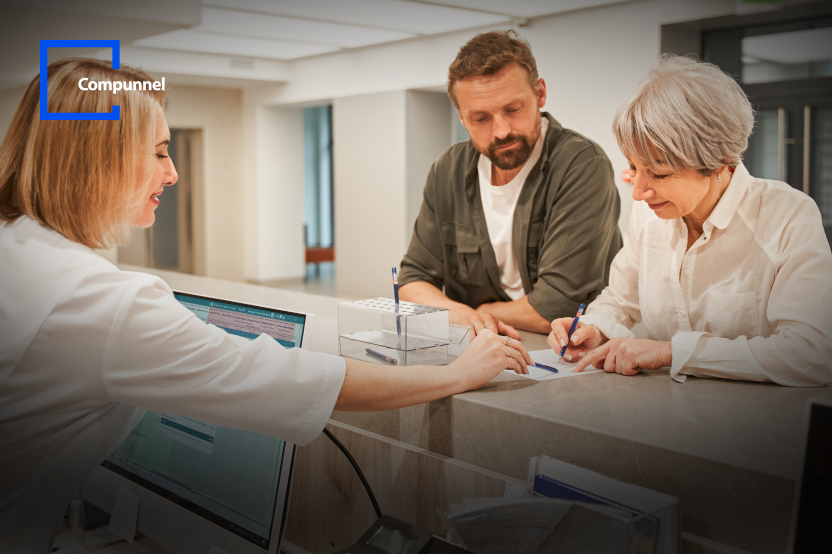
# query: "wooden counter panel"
[[329, 508]]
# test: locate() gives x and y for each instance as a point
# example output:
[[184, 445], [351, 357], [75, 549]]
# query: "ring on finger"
[[508, 341]]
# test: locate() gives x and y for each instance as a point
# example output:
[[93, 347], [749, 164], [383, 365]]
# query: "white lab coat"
[[85, 348]]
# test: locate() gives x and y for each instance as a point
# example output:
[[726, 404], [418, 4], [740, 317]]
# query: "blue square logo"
[[114, 115]]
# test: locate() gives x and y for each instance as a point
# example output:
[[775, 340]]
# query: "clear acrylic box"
[[368, 331]]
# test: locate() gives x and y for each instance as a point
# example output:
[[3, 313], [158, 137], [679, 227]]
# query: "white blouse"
[[752, 297], [85, 348]]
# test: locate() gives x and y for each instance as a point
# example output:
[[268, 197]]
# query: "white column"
[[384, 145], [428, 135], [369, 190], [274, 193]]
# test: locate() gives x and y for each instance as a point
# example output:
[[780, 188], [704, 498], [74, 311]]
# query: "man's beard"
[[514, 157]]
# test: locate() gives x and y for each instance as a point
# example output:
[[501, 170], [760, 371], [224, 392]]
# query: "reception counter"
[[731, 451]]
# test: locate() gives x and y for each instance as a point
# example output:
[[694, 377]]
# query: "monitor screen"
[[228, 476], [814, 509]]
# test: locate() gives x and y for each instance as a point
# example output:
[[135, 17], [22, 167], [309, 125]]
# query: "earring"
[[718, 178]]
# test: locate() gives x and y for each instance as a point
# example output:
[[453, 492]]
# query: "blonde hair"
[[690, 113], [79, 177]]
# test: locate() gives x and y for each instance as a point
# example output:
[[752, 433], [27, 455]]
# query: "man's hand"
[[487, 356], [516, 314], [479, 320], [628, 356]]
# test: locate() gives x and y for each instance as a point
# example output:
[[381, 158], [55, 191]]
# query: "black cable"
[[357, 469]]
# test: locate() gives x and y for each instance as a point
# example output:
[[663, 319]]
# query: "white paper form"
[[551, 359], [125, 514]]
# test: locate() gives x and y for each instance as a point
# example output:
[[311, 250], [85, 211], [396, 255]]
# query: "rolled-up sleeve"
[[424, 258], [581, 235], [799, 352], [161, 357]]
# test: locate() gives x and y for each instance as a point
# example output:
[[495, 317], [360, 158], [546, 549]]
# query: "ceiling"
[[223, 42], [291, 29]]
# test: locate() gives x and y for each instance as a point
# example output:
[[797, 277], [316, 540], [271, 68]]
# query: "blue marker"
[[572, 330], [381, 356], [396, 296]]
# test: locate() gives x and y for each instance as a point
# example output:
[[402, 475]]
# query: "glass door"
[[785, 67], [772, 147], [817, 157]]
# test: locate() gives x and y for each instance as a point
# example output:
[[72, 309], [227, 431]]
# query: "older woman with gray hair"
[[731, 275]]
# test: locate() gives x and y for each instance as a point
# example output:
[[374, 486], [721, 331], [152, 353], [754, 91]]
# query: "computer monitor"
[[200, 484], [812, 512]]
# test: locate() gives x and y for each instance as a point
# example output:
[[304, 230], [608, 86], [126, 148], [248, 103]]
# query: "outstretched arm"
[[374, 387]]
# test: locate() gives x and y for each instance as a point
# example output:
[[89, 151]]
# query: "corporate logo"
[[85, 84], [115, 113]]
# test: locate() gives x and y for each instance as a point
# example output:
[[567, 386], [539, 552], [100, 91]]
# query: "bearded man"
[[519, 224]]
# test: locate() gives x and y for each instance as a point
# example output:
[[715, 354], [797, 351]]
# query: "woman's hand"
[[487, 356], [584, 339], [628, 356]]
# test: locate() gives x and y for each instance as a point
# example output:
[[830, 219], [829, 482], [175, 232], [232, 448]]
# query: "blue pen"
[[572, 330], [381, 356], [396, 296], [546, 367]]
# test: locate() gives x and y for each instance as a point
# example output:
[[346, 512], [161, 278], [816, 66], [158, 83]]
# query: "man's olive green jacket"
[[565, 231]]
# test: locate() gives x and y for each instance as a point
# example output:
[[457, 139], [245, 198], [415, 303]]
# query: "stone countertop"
[[730, 450]]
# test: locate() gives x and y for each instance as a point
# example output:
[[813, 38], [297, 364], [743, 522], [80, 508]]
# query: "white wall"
[[369, 183], [219, 113], [274, 194], [427, 135], [384, 145]]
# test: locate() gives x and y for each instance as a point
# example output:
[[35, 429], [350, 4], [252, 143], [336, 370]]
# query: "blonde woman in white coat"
[[83, 344]]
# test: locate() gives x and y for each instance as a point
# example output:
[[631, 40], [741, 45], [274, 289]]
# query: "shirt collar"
[[725, 209]]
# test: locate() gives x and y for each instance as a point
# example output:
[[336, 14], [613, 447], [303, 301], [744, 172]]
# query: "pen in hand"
[[572, 330]]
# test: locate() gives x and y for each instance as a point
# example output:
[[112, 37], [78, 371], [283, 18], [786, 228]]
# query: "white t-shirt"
[[85, 348], [498, 203]]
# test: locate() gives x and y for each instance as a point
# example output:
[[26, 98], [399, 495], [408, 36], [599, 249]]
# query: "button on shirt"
[[752, 297], [498, 205]]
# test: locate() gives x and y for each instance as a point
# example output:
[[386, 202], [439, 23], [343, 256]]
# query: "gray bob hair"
[[690, 113]]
